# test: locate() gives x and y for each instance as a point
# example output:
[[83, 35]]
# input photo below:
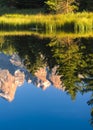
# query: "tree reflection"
[[90, 102], [32, 49], [67, 55], [75, 60]]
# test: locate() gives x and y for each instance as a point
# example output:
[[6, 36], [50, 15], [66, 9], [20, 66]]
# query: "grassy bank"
[[79, 22]]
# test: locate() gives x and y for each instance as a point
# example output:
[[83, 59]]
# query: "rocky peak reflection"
[[9, 83], [13, 74]]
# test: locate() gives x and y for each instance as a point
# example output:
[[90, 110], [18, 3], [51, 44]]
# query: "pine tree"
[[61, 6]]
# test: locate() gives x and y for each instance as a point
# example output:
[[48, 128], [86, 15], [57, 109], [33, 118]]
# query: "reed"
[[72, 22]]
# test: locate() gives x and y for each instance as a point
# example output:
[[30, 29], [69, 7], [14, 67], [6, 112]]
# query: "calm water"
[[55, 79]]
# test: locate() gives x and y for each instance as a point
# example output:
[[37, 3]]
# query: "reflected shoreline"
[[59, 34]]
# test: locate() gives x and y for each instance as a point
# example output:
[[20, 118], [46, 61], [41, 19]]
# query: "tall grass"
[[78, 22]]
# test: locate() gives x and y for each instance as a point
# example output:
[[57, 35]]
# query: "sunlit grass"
[[79, 22], [49, 35]]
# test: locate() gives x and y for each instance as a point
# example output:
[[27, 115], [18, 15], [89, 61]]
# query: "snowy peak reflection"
[[41, 81], [45, 78], [13, 74]]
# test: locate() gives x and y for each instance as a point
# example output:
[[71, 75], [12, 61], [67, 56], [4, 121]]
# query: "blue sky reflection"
[[34, 109]]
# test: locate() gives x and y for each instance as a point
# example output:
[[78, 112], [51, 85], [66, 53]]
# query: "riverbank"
[[71, 22]]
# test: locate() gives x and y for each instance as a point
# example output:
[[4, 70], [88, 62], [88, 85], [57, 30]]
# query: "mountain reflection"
[[13, 74], [66, 63]]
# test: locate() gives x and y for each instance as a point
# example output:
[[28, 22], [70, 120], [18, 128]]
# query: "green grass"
[[78, 22]]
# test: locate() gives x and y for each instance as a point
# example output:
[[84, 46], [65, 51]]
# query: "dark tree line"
[[55, 6], [27, 3], [85, 5]]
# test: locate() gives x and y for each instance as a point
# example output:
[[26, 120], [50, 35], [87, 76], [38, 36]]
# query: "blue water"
[[52, 109]]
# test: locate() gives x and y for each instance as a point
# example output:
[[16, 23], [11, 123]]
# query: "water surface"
[[52, 80]]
